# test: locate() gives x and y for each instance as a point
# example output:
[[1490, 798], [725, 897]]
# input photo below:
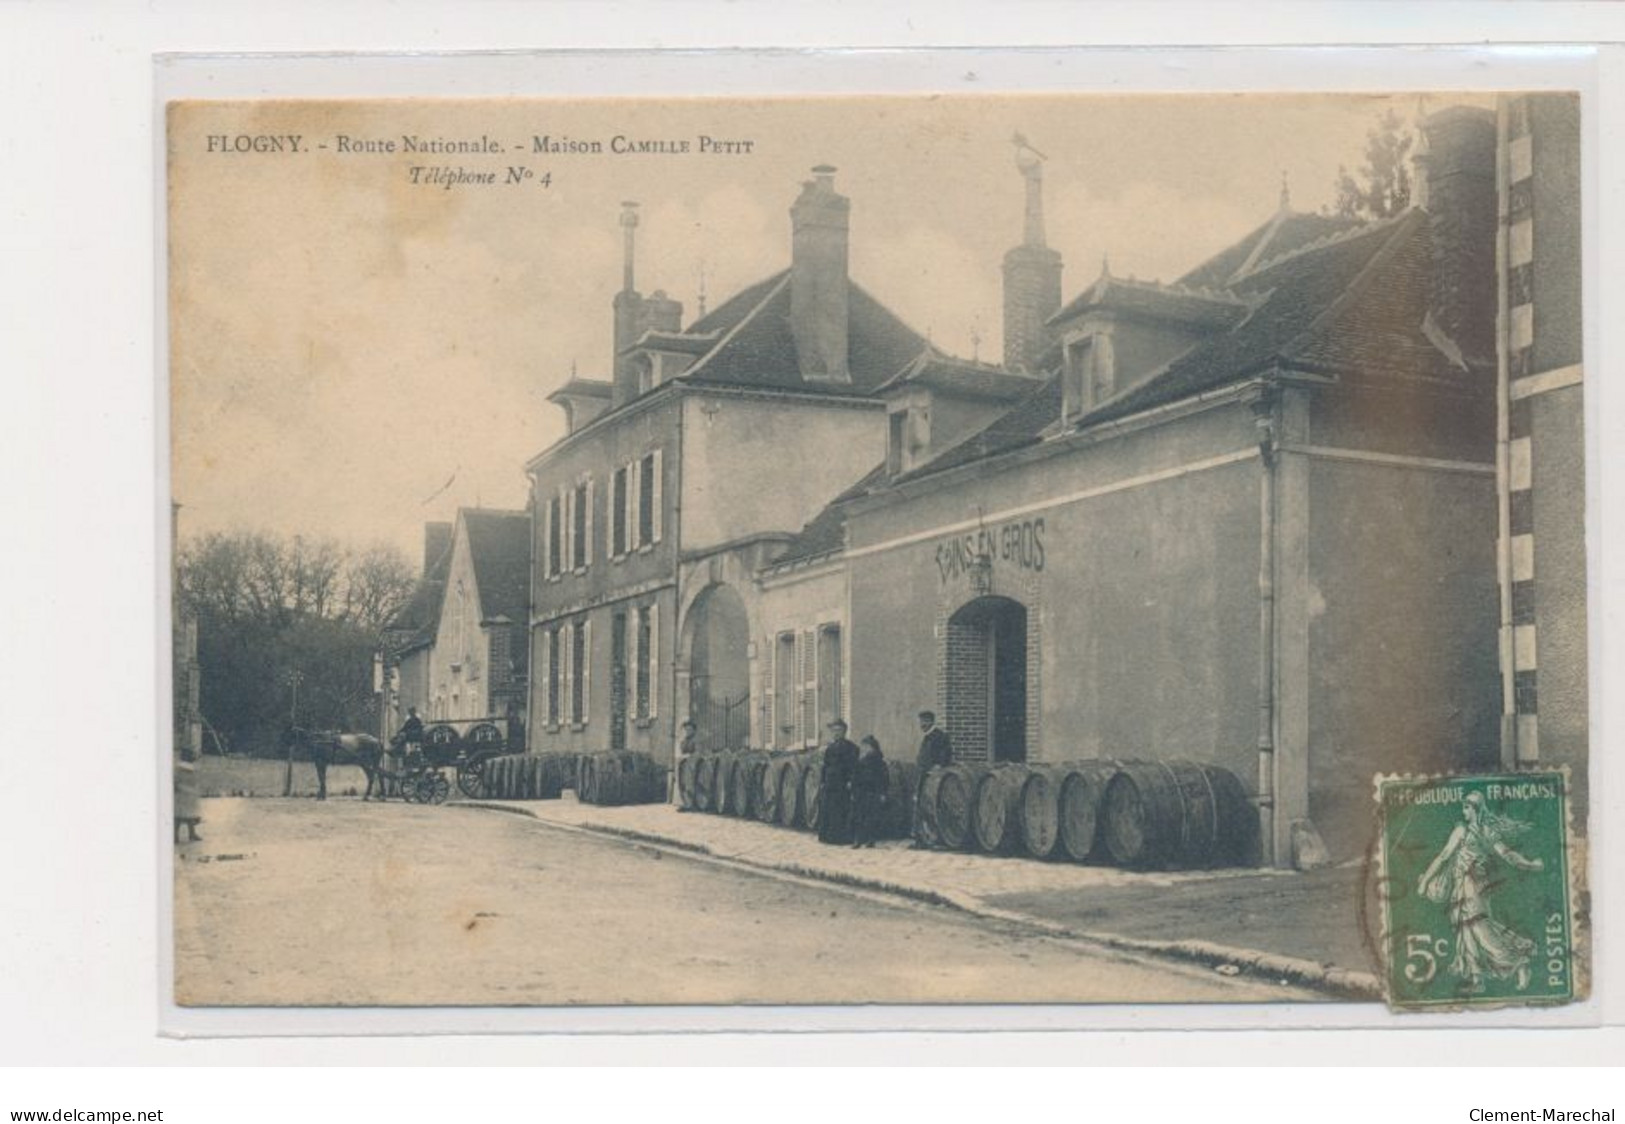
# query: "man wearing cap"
[[835, 786]]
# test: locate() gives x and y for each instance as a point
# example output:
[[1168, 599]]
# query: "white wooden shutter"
[[654, 660], [543, 664], [634, 505], [586, 550], [567, 509], [586, 669], [654, 499], [544, 525], [809, 687], [567, 683], [770, 692]]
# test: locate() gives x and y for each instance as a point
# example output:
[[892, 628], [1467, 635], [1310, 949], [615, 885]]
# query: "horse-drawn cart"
[[464, 745]]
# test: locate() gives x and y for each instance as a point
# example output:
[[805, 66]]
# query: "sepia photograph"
[[1016, 548]]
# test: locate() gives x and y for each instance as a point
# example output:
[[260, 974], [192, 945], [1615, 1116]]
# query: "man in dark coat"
[[869, 784], [835, 786], [935, 750]]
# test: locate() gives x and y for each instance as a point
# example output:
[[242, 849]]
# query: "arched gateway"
[[986, 702], [716, 635]]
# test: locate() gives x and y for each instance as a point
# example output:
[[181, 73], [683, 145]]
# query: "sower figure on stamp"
[[935, 750], [1460, 875], [869, 783], [835, 786]]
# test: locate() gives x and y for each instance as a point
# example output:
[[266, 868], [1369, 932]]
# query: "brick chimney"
[[1456, 187], [819, 221], [628, 310], [1032, 273], [436, 541]]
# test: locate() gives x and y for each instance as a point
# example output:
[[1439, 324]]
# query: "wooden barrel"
[[811, 781], [767, 795], [705, 779], [925, 807], [1041, 811], [1082, 790], [1162, 814], [686, 767], [748, 782], [727, 798], [902, 778], [551, 771], [956, 796], [790, 811], [527, 776], [996, 808]]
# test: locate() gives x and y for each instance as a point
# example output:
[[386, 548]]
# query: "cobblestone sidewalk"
[[1192, 914]]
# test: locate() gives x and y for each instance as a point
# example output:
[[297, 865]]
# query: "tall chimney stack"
[[1032, 272], [820, 220], [1456, 169], [628, 310]]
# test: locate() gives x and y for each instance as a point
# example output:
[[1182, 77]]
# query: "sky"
[[353, 354]]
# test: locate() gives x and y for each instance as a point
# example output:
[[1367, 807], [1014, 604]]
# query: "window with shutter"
[[555, 530], [587, 530], [586, 671], [617, 500], [654, 661], [829, 673], [809, 689], [566, 560], [646, 488], [784, 690], [644, 672], [580, 514], [656, 511]]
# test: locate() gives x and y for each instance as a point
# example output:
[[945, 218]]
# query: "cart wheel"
[[471, 777], [438, 788], [412, 788]]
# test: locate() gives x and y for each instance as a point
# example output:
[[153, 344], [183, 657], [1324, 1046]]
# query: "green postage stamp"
[[1474, 881]]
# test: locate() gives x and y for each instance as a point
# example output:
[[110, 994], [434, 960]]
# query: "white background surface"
[[79, 927]]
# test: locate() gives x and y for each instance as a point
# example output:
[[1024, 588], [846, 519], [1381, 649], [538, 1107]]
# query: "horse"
[[334, 747]]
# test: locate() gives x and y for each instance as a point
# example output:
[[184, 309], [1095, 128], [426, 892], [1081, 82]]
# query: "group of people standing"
[[854, 783]]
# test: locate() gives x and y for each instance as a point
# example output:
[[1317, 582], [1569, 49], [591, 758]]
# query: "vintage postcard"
[[883, 549]]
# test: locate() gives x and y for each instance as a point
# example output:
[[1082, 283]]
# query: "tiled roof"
[[1297, 323], [1284, 232], [1345, 302], [420, 615], [964, 377], [758, 349], [1019, 426], [499, 542], [1213, 307], [827, 530]]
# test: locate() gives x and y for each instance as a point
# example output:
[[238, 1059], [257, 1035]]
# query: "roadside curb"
[[1342, 983]]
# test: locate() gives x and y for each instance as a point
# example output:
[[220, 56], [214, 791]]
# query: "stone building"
[[456, 649], [1253, 516], [1248, 517], [683, 474]]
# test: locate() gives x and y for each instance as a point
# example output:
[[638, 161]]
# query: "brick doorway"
[[986, 702]]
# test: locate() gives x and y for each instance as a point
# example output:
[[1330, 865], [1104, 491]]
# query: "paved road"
[[296, 902]]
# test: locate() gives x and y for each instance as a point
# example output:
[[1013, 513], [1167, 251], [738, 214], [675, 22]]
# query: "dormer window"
[[908, 435], [1090, 373]]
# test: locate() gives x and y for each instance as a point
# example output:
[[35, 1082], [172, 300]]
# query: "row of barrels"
[[610, 779], [1137, 814], [781, 788], [522, 776]]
